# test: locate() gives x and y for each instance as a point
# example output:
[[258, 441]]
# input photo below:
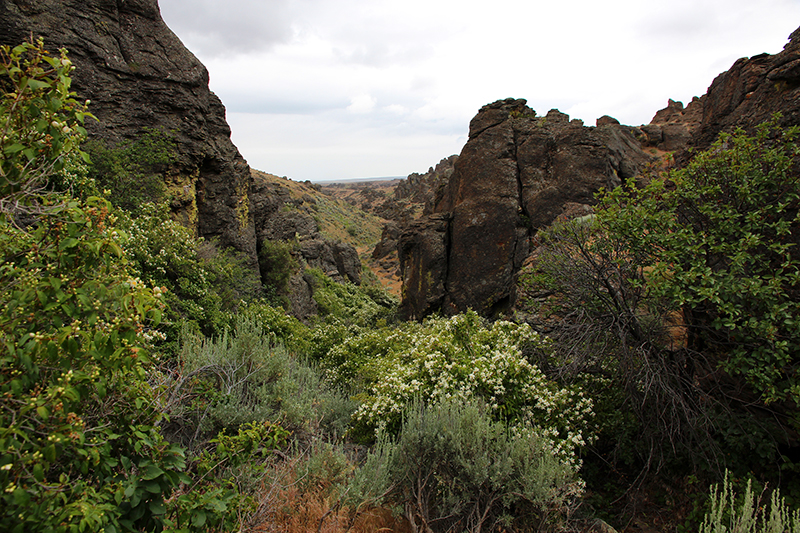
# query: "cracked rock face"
[[516, 174], [139, 75], [751, 91], [744, 96]]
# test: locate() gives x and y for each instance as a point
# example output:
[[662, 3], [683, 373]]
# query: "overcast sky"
[[332, 89]]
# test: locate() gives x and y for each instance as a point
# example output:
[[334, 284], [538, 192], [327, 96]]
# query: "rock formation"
[[286, 211], [747, 94], [751, 91], [423, 189], [516, 174], [139, 75]]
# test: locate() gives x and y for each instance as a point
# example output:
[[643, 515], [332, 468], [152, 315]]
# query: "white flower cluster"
[[459, 358]]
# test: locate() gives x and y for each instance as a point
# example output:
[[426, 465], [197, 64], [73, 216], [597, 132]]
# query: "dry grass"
[[289, 504]]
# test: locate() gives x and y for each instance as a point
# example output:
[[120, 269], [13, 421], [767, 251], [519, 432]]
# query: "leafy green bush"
[[352, 304], [80, 448], [454, 468], [280, 326], [719, 239], [133, 172], [198, 288], [41, 124], [685, 294], [277, 265], [77, 418]]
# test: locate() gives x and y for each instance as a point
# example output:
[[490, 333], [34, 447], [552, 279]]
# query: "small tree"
[[41, 123], [686, 292], [719, 239]]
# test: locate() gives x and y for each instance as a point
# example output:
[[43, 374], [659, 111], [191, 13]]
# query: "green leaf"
[[69, 242], [38, 472], [157, 507], [21, 497], [13, 149], [135, 498], [199, 518], [50, 452], [152, 472], [38, 84]]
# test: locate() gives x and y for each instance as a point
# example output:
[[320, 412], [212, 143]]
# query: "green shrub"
[[719, 239], [352, 304], [78, 445], [243, 377], [201, 283], [133, 172], [282, 327], [454, 468], [685, 293], [41, 125], [277, 265], [77, 418]]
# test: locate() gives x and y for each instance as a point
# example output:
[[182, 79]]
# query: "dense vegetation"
[[152, 382]]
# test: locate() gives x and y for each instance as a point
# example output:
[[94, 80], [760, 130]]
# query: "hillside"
[[302, 209]]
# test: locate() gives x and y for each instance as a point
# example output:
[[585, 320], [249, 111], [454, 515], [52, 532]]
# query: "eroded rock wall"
[[517, 173], [139, 75]]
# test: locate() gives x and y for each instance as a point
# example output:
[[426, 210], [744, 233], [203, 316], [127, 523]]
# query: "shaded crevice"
[[448, 250]]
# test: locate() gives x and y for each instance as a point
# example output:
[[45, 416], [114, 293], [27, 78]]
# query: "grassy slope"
[[338, 220]]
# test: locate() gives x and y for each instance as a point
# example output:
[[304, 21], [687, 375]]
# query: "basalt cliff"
[[518, 172], [139, 76]]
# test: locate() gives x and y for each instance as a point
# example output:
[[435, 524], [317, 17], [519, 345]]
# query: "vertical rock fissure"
[[448, 250]]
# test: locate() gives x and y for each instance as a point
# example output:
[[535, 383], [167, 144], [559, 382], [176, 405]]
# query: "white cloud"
[[357, 83], [363, 103]]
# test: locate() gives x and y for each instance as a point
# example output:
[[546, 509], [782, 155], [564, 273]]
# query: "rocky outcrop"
[[746, 95], [411, 198], [673, 128], [751, 91], [423, 189], [516, 174], [139, 75], [287, 213]]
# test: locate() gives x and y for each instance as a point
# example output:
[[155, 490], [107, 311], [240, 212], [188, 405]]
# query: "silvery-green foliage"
[[244, 376], [454, 468], [748, 514]]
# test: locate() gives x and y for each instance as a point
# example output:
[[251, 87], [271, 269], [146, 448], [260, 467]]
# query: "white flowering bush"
[[201, 283], [461, 359]]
